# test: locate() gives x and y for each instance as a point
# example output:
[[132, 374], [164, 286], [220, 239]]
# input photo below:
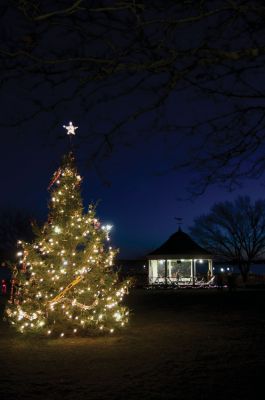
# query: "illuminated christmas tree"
[[65, 283]]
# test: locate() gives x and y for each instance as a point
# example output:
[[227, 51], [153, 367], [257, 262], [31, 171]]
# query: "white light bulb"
[[57, 229]]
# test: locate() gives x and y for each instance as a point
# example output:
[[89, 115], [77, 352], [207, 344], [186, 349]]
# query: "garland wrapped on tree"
[[65, 283]]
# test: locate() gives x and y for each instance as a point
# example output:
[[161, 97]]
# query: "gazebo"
[[176, 261]]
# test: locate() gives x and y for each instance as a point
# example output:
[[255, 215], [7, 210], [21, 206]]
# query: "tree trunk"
[[244, 269]]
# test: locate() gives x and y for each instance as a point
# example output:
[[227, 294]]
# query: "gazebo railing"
[[180, 282]]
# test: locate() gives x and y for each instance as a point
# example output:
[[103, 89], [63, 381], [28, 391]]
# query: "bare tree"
[[234, 231], [138, 57], [14, 226]]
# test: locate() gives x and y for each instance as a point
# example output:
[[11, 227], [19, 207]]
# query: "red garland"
[[56, 176], [96, 224], [13, 285], [11, 300], [24, 265]]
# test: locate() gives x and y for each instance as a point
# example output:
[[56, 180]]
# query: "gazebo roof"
[[180, 244]]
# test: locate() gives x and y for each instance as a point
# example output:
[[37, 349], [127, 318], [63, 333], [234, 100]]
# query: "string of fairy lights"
[[65, 283]]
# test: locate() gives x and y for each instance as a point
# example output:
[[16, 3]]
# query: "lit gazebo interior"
[[178, 261]]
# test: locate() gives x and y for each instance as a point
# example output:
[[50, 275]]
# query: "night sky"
[[139, 192], [139, 202]]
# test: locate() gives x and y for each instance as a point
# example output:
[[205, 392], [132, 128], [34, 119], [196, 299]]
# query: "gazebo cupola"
[[175, 262]]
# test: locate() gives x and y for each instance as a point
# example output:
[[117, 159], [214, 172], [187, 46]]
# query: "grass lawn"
[[193, 344]]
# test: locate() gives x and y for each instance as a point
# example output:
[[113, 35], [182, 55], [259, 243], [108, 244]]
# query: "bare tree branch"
[[149, 55], [234, 232]]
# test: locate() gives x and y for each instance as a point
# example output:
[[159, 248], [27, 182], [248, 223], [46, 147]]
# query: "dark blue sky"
[[140, 203], [136, 185]]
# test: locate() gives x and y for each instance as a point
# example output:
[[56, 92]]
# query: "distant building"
[[178, 262]]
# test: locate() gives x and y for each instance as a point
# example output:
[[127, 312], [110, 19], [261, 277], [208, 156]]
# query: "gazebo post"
[[210, 268], [192, 271], [165, 271], [150, 272]]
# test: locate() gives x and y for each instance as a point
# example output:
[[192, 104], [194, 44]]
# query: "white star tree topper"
[[70, 128]]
